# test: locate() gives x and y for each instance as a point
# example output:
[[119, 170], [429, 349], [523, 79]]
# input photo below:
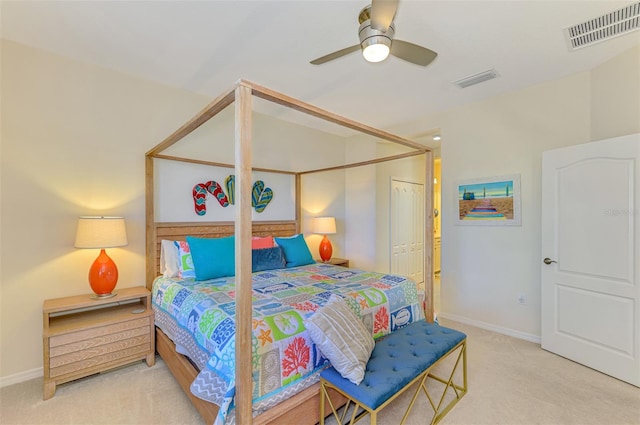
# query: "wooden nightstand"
[[336, 262], [82, 336]]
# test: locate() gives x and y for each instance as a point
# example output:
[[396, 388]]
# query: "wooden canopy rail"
[[219, 164], [241, 95]]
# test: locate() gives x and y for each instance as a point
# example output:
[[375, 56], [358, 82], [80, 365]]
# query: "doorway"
[[437, 226], [433, 139], [590, 245]]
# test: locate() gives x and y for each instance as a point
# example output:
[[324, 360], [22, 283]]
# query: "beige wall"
[[73, 143], [485, 269], [360, 201], [615, 96], [322, 194]]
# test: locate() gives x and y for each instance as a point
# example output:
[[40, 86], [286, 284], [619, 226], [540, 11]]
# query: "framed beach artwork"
[[492, 201]]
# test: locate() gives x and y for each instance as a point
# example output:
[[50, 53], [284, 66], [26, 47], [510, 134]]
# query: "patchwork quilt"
[[199, 318]]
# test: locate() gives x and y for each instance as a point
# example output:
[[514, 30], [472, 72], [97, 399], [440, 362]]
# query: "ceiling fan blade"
[[335, 55], [382, 13], [412, 52]]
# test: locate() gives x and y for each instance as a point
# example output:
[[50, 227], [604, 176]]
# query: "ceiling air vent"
[[604, 27], [476, 79]]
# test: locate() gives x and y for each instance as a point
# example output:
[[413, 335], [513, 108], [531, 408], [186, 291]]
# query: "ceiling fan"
[[376, 38]]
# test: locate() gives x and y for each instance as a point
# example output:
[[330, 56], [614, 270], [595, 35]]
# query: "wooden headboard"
[[179, 231]]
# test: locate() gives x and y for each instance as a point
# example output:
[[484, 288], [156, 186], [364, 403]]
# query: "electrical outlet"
[[522, 299]]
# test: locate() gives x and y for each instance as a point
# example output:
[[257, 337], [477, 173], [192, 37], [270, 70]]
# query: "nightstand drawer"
[[95, 342], [86, 334], [97, 348], [103, 359]]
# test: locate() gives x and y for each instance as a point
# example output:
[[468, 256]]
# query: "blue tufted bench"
[[399, 361]]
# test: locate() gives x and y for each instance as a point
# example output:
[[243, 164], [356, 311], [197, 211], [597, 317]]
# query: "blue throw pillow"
[[296, 251], [267, 259], [213, 257]]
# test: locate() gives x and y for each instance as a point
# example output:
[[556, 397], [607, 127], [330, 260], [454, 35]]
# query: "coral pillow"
[[260, 243]]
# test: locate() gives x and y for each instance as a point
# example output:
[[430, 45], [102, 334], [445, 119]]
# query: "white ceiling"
[[205, 46]]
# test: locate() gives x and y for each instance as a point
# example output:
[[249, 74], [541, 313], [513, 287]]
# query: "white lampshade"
[[324, 225], [101, 232]]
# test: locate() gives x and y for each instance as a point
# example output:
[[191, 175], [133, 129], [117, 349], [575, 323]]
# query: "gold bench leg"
[[324, 393], [355, 417], [345, 410], [415, 396], [439, 411], [460, 391]]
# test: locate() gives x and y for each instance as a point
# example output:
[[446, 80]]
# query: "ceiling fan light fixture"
[[375, 52], [375, 44]]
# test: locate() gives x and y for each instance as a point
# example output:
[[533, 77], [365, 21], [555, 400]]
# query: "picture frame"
[[489, 201]]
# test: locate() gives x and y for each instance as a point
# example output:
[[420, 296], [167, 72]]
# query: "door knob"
[[548, 261]]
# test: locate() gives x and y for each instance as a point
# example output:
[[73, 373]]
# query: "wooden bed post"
[[428, 237], [150, 222], [244, 384], [298, 203]]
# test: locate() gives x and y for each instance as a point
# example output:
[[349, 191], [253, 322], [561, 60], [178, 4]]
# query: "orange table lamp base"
[[103, 275], [325, 249]]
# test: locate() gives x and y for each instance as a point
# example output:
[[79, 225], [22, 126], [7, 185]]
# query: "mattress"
[[199, 317]]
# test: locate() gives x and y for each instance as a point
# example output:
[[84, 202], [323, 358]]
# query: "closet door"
[[407, 229]]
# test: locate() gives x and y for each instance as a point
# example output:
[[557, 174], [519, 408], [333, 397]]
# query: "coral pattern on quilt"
[[282, 349]]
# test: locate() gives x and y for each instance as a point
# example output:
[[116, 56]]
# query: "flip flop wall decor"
[[261, 196]]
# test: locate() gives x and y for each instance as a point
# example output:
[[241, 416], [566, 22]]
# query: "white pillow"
[[169, 263], [342, 338]]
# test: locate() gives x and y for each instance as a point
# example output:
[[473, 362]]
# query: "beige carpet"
[[511, 381]]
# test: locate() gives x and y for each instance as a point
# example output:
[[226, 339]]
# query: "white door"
[[591, 238], [407, 229]]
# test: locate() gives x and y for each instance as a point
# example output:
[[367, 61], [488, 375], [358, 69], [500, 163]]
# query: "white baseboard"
[[490, 327], [5, 381]]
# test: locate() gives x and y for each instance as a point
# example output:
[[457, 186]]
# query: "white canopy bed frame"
[[305, 405]]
